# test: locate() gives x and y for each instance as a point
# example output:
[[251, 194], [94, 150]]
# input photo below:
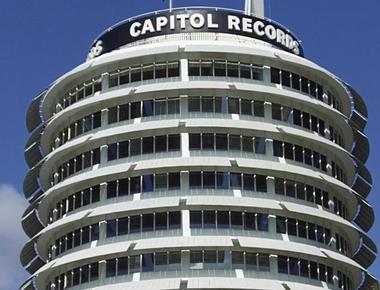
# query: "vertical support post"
[[255, 7]]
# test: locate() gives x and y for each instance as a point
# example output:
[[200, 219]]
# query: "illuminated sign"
[[185, 21]]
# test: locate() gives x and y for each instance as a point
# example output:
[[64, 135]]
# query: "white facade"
[[151, 170]]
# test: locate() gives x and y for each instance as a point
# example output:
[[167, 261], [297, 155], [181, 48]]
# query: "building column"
[[104, 113], [266, 74], [273, 264], [184, 70], [268, 111], [105, 82], [103, 154], [103, 191], [183, 105], [270, 185], [269, 147], [272, 224]]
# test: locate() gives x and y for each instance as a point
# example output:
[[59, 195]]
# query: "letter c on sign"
[[135, 31]]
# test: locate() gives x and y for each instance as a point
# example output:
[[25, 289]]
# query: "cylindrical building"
[[198, 149]]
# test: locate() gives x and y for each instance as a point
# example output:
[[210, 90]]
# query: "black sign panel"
[[182, 21]]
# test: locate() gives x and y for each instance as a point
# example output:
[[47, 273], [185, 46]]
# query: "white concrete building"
[[198, 149]]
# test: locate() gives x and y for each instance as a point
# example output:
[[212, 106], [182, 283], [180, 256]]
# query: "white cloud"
[[12, 238]]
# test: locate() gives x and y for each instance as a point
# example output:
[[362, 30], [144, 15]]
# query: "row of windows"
[[304, 268], [198, 180], [341, 244], [75, 239], [145, 183], [218, 68], [156, 107], [227, 180], [303, 84], [74, 201], [225, 142], [161, 261], [225, 105], [305, 120], [302, 229], [77, 128], [204, 219], [146, 145], [299, 154], [144, 72], [82, 91], [144, 223], [120, 77], [224, 68], [196, 104], [218, 219], [338, 172], [308, 193], [77, 276], [77, 164], [201, 259]]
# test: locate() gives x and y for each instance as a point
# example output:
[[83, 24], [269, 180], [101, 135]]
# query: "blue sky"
[[41, 40]]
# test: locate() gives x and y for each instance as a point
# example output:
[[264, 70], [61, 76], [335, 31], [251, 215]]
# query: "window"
[[111, 268], [111, 228], [281, 225], [147, 183], [282, 262], [147, 108], [195, 141], [233, 106], [275, 75], [195, 179], [174, 220], [194, 104], [221, 142]]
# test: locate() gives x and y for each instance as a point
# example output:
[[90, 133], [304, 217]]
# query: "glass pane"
[[147, 108], [207, 104], [233, 106], [147, 144], [234, 142], [174, 181], [207, 141], [161, 220], [194, 68], [147, 263], [209, 180], [160, 107], [148, 183], [135, 147], [258, 108], [276, 112], [122, 266], [195, 219], [161, 181], [221, 142], [209, 220], [124, 112], [235, 180], [111, 268], [147, 222], [223, 219], [195, 180], [135, 185], [195, 141], [161, 143], [174, 142], [135, 110], [222, 180], [194, 104], [135, 224]]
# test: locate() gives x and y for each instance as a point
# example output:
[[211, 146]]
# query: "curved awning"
[[33, 116]]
